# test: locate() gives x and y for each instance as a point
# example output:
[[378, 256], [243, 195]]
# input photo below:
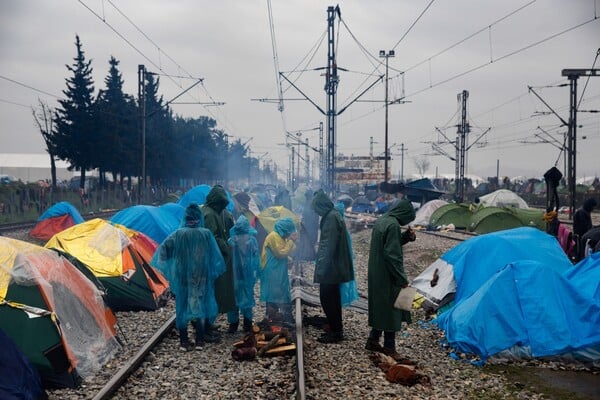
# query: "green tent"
[[452, 213], [492, 219]]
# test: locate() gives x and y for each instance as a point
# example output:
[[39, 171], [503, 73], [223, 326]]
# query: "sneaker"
[[211, 338], [186, 345], [373, 345], [199, 345], [331, 337], [397, 357]]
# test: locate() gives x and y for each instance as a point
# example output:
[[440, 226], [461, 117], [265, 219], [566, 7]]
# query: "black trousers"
[[331, 302]]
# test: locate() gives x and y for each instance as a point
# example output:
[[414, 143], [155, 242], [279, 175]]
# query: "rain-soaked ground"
[[554, 384]]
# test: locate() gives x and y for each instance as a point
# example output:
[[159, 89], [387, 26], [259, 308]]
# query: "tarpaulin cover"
[[155, 222], [530, 305], [198, 195]]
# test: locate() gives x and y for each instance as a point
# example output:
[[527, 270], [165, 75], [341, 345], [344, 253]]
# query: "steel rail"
[[117, 380]]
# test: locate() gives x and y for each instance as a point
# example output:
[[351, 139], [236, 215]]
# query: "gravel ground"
[[335, 371]]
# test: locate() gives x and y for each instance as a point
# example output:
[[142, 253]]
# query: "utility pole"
[[390, 53], [402, 150], [331, 84], [142, 117], [306, 162], [321, 155], [573, 75], [461, 138]]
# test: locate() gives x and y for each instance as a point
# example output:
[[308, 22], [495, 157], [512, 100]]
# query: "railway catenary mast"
[[331, 84]]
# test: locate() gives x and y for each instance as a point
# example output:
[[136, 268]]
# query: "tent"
[[528, 309], [18, 378], [198, 194], [464, 268], [503, 198], [175, 209], [57, 218], [249, 201], [265, 221], [492, 219], [362, 204], [451, 213], [425, 211], [155, 222], [118, 261], [54, 314]]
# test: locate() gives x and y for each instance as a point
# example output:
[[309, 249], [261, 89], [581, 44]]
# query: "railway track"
[[27, 225], [154, 368]]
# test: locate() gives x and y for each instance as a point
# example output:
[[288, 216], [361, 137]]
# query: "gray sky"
[[520, 43]]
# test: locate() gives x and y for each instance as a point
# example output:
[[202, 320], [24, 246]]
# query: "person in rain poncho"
[[309, 231], [333, 265], [191, 261], [219, 221], [386, 277], [274, 279], [348, 290], [245, 262]]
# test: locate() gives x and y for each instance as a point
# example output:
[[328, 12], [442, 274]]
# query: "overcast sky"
[[492, 49]]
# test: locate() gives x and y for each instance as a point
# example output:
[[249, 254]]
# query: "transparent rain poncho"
[[348, 290], [191, 261], [245, 260], [274, 279], [74, 304]]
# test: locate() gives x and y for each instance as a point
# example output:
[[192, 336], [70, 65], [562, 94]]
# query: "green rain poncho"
[[191, 261], [274, 279], [334, 257], [219, 221], [245, 261], [386, 268]]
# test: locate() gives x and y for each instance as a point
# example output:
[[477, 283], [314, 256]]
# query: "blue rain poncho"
[[348, 290], [274, 279], [191, 261], [245, 260]]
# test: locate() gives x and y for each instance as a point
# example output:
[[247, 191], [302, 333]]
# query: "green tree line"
[[103, 131]]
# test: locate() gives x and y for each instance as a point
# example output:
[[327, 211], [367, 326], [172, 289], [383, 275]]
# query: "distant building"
[[32, 167]]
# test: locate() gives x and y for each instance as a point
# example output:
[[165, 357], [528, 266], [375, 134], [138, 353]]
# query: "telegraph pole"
[[573, 75], [461, 138], [402, 150], [142, 117], [331, 84], [387, 55]]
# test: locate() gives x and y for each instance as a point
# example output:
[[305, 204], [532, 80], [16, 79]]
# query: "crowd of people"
[[213, 263]]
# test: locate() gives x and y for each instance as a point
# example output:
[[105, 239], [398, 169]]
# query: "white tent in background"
[[424, 213], [503, 198]]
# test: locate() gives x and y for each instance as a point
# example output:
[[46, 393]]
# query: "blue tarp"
[[60, 209], [155, 222], [198, 195], [516, 291], [174, 209], [479, 258]]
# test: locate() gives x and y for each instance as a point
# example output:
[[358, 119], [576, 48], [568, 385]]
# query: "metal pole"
[[385, 172]]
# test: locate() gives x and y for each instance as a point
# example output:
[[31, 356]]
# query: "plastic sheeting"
[[86, 325], [155, 222]]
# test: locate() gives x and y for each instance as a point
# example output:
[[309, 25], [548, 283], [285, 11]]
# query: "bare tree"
[[422, 164], [43, 118]]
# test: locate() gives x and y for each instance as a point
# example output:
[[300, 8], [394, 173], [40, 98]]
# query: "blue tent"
[[62, 208], [155, 222], [528, 309], [198, 195], [175, 209], [466, 267]]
